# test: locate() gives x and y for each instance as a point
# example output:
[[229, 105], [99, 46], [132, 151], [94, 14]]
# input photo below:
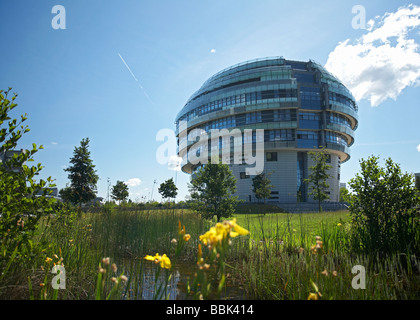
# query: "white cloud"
[[135, 194], [54, 142], [382, 62], [133, 182], [418, 148], [174, 163], [213, 50]]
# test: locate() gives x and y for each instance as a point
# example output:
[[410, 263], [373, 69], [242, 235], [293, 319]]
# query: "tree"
[[318, 176], [343, 194], [261, 186], [119, 192], [65, 194], [168, 189], [20, 206], [384, 208], [82, 175], [211, 190]]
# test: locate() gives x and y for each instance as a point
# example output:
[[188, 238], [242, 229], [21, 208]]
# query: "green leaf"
[[314, 286], [221, 284], [99, 286]]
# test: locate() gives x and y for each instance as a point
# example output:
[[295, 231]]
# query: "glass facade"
[[336, 138], [276, 95], [279, 135], [310, 98], [301, 194], [339, 119], [308, 139], [309, 120], [300, 106]]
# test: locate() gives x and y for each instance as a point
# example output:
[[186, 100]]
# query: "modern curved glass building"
[[288, 108]]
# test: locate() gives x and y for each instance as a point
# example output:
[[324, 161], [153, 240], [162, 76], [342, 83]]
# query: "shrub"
[[384, 208], [23, 199]]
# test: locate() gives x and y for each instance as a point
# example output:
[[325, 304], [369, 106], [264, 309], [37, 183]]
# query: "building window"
[[310, 97], [305, 77], [253, 117], [307, 135], [336, 138], [284, 115], [339, 119], [279, 135], [336, 97], [309, 116], [243, 175], [271, 156], [301, 175]]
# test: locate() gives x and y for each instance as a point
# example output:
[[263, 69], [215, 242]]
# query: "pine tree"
[[82, 175]]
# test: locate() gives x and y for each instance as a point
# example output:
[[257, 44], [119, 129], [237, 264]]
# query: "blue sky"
[[122, 70]]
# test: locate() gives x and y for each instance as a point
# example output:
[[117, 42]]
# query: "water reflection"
[[182, 275]]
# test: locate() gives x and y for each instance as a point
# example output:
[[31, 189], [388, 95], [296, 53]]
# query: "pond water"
[[182, 274]]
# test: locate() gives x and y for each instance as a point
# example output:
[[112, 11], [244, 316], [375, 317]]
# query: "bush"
[[21, 205], [384, 208]]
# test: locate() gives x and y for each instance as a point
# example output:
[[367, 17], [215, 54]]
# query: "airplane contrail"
[[141, 87]]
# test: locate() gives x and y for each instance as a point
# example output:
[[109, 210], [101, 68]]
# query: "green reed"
[[124, 236], [276, 261], [280, 262]]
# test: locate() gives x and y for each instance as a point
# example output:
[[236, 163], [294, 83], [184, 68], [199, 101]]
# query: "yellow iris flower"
[[313, 296], [222, 231], [238, 229], [164, 260], [209, 237]]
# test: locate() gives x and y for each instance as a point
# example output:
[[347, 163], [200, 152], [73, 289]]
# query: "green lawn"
[[295, 229]]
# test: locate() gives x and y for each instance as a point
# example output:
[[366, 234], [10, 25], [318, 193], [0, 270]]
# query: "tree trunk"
[[264, 207], [319, 201]]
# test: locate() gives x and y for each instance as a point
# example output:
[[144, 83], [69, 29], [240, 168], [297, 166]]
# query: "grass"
[[82, 242], [299, 229], [281, 263], [277, 260]]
